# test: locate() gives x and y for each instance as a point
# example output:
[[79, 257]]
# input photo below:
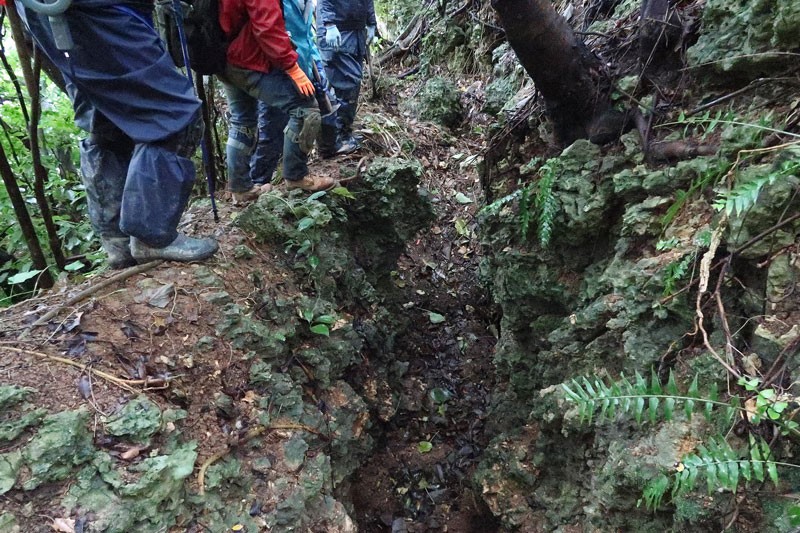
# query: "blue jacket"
[[300, 27], [347, 15]]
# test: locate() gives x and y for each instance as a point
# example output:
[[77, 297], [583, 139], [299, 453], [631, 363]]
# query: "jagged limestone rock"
[[440, 102], [9, 468], [741, 36], [13, 428], [137, 421], [148, 505], [11, 395], [62, 443], [8, 522]]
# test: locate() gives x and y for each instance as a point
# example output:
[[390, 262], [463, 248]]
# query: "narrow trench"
[[408, 485]]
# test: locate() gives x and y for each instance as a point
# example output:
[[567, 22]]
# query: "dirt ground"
[[402, 487]]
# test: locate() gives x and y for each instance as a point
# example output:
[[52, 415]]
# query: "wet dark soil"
[[418, 478]]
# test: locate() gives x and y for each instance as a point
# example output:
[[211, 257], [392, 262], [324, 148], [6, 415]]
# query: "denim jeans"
[[142, 116], [244, 88]]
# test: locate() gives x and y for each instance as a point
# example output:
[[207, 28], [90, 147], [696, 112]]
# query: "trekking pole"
[[176, 6]]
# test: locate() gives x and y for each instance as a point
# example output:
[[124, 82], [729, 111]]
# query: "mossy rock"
[[440, 102]]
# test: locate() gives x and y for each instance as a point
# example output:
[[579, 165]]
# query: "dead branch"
[[125, 274], [738, 250], [125, 384]]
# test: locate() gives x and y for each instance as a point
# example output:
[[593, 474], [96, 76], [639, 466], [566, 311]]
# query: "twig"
[[138, 269], [705, 272], [260, 430], [126, 384], [740, 249]]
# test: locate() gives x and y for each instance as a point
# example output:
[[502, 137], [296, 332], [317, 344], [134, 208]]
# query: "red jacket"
[[261, 41]]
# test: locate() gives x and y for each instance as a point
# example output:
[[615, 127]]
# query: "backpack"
[[207, 43]]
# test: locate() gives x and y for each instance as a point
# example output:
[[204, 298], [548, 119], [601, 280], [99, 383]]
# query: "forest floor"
[[162, 323]]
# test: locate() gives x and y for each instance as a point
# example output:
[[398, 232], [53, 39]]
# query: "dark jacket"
[[347, 15]]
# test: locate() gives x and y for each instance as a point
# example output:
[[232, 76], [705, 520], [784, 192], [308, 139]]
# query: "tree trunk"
[[32, 78], [568, 75], [13, 75], [25, 222]]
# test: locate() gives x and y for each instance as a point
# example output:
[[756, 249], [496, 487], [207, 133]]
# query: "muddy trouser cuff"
[[103, 172], [347, 111], [239, 150], [159, 183]]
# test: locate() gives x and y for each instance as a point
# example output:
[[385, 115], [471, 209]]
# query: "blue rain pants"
[[345, 69], [143, 120]]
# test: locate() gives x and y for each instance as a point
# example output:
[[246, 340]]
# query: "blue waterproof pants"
[[244, 89], [141, 113], [345, 69], [271, 123]]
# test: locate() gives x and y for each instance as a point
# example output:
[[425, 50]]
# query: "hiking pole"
[[176, 7]]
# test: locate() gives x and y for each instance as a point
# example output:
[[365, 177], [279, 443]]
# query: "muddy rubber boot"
[[118, 250], [184, 249], [311, 184]]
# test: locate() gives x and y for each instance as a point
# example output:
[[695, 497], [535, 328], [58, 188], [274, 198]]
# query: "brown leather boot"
[[241, 198], [311, 183]]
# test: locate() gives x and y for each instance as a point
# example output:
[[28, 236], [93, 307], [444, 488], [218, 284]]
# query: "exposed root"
[[125, 384]]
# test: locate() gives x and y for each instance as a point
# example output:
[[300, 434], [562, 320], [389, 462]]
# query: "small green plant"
[[722, 466], [543, 205], [745, 195], [318, 324], [676, 271]]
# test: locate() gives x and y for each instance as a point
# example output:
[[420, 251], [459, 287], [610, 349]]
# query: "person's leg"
[[344, 68], [135, 85], [326, 143], [278, 90], [242, 135], [271, 122], [105, 156]]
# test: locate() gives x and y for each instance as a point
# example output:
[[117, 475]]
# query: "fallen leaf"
[[85, 386], [132, 453], [463, 198], [63, 525], [436, 318]]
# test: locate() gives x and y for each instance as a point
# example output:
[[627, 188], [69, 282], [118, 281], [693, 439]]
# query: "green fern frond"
[[655, 491], [545, 202], [643, 397], [745, 195], [724, 468]]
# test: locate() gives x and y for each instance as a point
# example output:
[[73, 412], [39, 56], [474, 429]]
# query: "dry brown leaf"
[[63, 525]]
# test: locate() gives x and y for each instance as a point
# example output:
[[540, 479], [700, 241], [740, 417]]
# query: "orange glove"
[[300, 79]]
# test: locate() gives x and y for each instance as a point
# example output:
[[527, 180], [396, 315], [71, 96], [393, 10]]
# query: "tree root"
[[125, 274], [253, 433], [125, 384]]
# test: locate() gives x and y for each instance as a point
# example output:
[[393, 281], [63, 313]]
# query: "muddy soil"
[[418, 477]]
